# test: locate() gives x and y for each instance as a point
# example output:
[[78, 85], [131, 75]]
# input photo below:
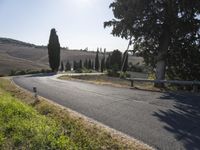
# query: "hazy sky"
[[79, 23]]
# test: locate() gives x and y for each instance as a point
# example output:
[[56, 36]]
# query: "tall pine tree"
[[116, 60], [90, 64], [68, 66], [102, 64], [97, 61], [108, 62], [54, 51]]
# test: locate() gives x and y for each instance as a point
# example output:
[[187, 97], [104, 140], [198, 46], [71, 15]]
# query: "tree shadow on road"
[[183, 120]]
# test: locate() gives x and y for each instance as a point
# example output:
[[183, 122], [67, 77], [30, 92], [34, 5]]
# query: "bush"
[[84, 70], [136, 68], [124, 75], [113, 73], [79, 71], [22, 72], [28, 71]]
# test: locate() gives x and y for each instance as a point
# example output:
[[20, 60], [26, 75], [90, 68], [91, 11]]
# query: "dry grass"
[[99, 79], [85, 132], [21, 57], [111, 81]]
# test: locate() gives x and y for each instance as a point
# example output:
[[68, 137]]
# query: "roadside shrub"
[[22, 72], [79, 71], [28, 71], [84, 70], [112, 73], [12, 72], [124, 75], [136, 68]]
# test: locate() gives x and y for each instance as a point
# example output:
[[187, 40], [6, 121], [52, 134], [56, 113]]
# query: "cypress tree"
[[97, 61], [80, 64], [102, 64], [62, 66], [74, 65], [90, 64], [68, 66], [115, 60], [108, 62], [86, 64], [54, 51]]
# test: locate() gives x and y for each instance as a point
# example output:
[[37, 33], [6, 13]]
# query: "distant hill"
[[16, 42], [18, 55]]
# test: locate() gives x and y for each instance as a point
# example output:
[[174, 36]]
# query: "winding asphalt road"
[[167, 121]]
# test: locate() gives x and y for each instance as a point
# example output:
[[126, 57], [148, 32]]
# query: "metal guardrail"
[[195, 84]]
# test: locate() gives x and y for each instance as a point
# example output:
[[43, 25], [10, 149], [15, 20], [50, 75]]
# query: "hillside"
[[18, 55]]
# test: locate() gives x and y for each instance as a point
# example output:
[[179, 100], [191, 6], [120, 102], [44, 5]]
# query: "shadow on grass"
[[183, 120]]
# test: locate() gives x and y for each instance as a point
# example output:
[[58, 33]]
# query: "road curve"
[[167, 121]]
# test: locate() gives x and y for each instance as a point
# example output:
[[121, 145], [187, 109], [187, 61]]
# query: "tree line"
[[111, 61]]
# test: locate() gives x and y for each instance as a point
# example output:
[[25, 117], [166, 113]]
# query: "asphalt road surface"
[[167, 121]]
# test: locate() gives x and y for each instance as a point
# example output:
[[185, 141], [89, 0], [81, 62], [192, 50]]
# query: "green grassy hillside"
[[22, 127]]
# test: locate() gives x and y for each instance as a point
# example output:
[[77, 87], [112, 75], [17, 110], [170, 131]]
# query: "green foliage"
[[116, 60], [114, 71], [78, 70], [23, 128], [124, 75], [80, 66], [136, 68], [28, 71], [54, 51], [68, 66], [166, 30], [187, 64], [75, 65], [108, 62], [103, 64], [86, 65], [58, 129], [97, 61], [90, 64]]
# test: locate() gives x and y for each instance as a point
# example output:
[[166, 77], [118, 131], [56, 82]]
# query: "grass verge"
[[44, 125], [111, 81]]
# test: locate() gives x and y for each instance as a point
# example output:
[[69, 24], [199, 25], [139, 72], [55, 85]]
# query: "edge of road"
[[89, 120]]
